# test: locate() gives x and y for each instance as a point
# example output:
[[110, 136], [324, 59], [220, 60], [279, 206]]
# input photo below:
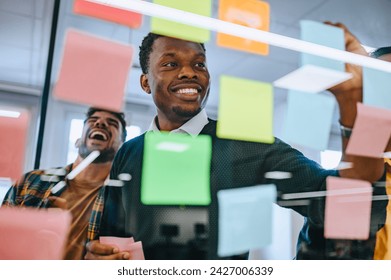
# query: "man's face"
[[102, 132], [178, 79]]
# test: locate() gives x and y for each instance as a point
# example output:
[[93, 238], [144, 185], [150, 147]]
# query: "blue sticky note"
[[245, 219], [377, 88], [325, 35], [308, 119]]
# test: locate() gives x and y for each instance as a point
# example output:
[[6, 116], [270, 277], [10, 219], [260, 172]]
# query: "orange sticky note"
[[371, 132], [14, 126], [94, 71], [32, 234], [125, 244], [125, 17], [250, 13], [348, 208]]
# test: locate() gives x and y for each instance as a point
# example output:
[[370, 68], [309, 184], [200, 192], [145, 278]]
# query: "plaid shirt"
[[32, 191], [96, 215]]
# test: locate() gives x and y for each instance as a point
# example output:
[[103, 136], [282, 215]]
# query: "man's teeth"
[[187, 91], [98, 135]]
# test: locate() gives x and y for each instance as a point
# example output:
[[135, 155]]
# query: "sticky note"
[[308, 119], [325, 35], [245, 219], [94, 71], [245, 110], [347, 216], [311, 78], [250, 13], [109, 13], [176, 169], [32, 234], [377, 88], [125, 244], [371, 132], [13, 138], [183, 31]]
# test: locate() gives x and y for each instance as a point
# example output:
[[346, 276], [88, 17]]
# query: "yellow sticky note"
[[183, 31], [245, 110], [250, 13]]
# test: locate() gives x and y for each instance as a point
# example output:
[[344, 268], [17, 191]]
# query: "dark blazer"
[[234, 164]]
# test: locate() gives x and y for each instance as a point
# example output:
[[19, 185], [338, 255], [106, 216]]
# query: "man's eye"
[[200, 64], [170, 64]]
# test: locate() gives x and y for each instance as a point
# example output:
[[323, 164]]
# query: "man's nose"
[[187, 72], [100, 123]]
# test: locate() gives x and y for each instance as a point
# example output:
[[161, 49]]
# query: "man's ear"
[[77, 143], [144, 83]]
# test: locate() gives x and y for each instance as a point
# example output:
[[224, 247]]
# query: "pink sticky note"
[[125, 244], [94, 71], [348, 208], [371, 132], [122, 243], [13, 137], [31, 234], [104, 12]]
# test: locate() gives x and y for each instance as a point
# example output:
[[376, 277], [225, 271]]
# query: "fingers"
[[99, 251]]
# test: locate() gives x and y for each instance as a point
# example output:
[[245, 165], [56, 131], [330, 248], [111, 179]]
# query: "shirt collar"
[[192, 127]]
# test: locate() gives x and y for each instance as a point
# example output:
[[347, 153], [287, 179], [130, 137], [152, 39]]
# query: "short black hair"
[[380, 51], [119, 115], [146, 49]]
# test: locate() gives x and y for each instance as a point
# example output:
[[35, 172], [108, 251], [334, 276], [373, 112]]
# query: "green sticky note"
[[245, 110], [176, 169], [183, 31]]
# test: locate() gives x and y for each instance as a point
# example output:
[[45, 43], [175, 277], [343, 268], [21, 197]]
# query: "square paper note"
[[308, 119], [325, 35], [245, 219], [371, 132], [176, 169], [245, 110], [32, 234], [105, 12], [250, 13], [348, 208], [14, 126], [183, 31], [311, 78], [377, 88], [94, 71]]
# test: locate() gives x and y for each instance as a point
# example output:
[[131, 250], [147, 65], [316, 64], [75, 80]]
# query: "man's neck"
[[164, 124], [94, 173]]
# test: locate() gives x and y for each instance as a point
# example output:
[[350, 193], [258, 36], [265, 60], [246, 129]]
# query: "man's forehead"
[[169, 46], [104, 114]]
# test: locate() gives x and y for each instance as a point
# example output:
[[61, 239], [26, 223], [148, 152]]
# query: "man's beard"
[[107, 155], [185, 113]]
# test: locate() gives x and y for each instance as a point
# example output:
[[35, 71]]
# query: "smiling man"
[[176, 75], [103, 131]]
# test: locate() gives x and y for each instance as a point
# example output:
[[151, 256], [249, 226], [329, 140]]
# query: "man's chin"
[[106, 155], [186, 113]]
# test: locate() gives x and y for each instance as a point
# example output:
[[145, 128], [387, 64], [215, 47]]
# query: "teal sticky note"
[[325, 35], [245, 219], [183, 31], [377, 88], [176, 169], [245, 110], [308, 119]]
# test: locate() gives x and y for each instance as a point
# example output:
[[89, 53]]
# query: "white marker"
[[125, 177], [279, 175], [83, 164]]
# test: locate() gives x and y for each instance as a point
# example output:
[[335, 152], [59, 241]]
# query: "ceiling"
[[25, 31]]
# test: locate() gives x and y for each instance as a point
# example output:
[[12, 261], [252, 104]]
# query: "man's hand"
[[99, 251]]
